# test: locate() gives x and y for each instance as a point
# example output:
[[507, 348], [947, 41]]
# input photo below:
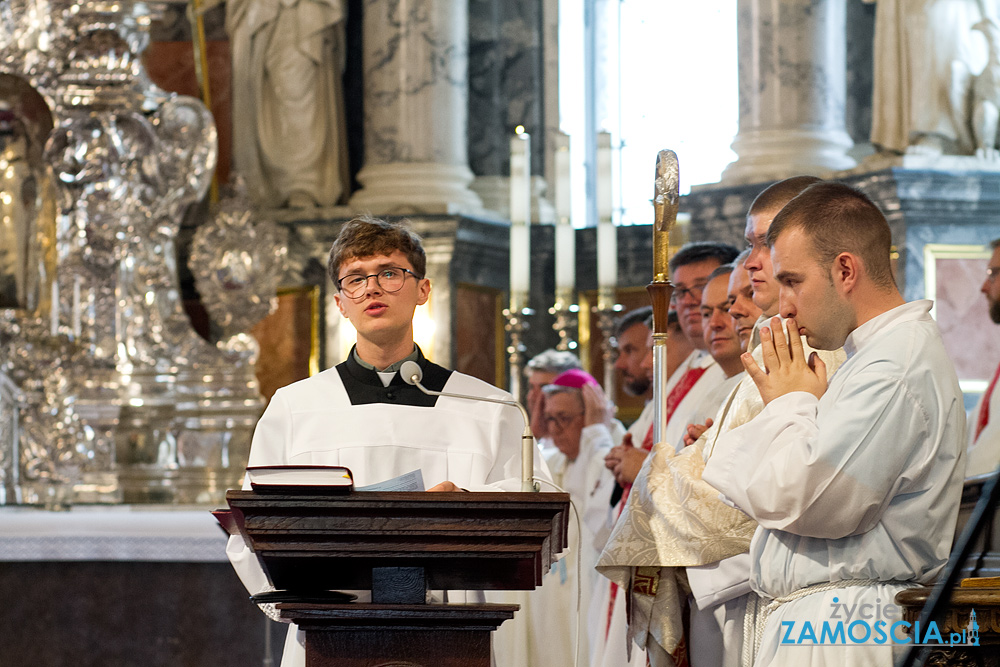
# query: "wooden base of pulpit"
[[370, 635], [985, 601], [399, 546]]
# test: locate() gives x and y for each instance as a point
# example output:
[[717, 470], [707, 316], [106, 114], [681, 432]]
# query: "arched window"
[[655, 74]]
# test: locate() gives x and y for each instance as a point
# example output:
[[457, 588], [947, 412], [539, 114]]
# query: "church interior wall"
[[469, 262]]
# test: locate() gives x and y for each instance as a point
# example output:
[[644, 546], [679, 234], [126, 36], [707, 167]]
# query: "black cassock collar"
[[364, 386]]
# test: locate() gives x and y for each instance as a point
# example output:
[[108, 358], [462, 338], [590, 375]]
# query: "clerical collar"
[[364, 385], [391, 368]]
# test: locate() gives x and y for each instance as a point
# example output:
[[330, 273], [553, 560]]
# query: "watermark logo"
[[866, 624]]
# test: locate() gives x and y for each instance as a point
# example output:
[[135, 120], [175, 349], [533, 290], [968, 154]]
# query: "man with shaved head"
[[854, 479], [693, 528]]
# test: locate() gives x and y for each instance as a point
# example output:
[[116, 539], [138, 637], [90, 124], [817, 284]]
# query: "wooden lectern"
[[399, 545]]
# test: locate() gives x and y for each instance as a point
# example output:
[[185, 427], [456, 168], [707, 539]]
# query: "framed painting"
[[953, 275]]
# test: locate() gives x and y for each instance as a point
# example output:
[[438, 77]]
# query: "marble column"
[[792, 73], [415, 69], [509, 86]]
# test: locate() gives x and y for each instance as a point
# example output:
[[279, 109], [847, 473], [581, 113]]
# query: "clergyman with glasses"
[[580, 429], [362, 415], [699, 374]]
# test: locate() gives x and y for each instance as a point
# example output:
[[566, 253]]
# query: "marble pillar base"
[[772, 155], [415, 187], [925, 161]]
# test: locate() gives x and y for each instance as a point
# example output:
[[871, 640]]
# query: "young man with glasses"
[[362, 415]]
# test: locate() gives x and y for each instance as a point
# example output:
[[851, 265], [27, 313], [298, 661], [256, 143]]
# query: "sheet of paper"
[[411, 481]]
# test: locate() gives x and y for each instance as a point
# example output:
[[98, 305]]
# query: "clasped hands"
[[786, 368], [625, 461]]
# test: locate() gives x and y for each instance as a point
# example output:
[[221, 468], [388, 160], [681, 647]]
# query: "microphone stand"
[[413, 374]]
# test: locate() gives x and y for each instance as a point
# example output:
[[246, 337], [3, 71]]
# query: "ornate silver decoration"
[[132, 402], [237, 261]]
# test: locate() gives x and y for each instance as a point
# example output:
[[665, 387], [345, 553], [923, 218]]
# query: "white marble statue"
[[985, 101], [926, 54], [288, 128]]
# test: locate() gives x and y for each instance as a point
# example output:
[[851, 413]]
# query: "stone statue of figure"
[[925, 56], [288, 122]]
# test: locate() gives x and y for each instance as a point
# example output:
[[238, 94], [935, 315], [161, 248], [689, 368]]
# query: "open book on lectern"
[[320, 479], [307, 479]]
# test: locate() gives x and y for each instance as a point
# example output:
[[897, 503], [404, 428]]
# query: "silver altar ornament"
[[45, 448], [237, 260], [165, 411]]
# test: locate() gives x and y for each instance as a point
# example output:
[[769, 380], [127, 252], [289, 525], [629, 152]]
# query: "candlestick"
[[516, 325], [607, 311], [564, 310]]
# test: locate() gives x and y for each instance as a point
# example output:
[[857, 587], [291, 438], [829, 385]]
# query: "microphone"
[[412, 374]]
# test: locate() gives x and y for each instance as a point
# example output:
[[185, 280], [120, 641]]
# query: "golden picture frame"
[[953, 275]]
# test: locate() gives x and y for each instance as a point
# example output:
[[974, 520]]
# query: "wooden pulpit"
[[399, 546]]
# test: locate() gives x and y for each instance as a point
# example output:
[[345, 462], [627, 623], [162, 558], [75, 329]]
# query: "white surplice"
[[863, 483]]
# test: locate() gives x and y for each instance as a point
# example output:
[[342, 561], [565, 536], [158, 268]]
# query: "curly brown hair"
[[366, 236]]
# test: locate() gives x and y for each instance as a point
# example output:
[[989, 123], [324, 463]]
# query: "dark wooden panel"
[[130, 614], [478, 333]]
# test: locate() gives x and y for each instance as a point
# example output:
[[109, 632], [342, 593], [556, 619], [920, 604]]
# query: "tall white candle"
[[565, 239], [607, 237], [607, 254], [54, 312], [520, 211], [565, 256], [520, 255], [564, 204], [604, 176]]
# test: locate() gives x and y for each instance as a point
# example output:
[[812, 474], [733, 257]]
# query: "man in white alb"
[[854, 480], [676, 520], [580, 430]]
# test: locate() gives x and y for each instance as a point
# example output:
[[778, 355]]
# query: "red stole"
[[984, 410]]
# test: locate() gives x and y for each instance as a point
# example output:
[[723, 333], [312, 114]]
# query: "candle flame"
[[519, 129]]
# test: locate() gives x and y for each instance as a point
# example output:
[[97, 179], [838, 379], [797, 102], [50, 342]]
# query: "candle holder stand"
[[607, 311], [565, 312], [516, 324]]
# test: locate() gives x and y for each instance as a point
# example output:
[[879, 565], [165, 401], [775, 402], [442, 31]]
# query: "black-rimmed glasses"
[[389, 279], [562, 421], [693, 291]]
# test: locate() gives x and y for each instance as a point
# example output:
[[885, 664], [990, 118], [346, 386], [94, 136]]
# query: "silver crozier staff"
[[666, 200]]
